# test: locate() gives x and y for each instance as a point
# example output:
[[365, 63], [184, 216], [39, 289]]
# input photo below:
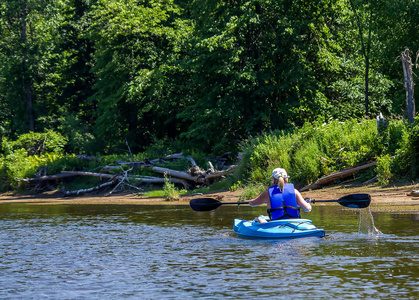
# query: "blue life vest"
[[283, 204]]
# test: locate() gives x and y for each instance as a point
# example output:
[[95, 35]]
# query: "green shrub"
[[251, 191], [384, 169], [306, 165], [310, 152], [414, 147], [406, 159], [77, 132], [36, 143], [398, 132], [171, 193]]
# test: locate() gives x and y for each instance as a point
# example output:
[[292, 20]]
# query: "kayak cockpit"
[[278, 229]]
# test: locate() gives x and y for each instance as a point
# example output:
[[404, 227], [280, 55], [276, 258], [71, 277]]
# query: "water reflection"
[[148, 252]]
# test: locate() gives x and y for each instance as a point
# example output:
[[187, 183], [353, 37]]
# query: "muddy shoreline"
[[387, 196]]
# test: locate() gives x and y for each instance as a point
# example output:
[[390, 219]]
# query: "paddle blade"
[[355, 200], [204, 204]]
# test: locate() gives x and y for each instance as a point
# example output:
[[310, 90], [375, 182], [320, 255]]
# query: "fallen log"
[[146, 179], [82, 191], [148, 163], [174, 156], [375, 178], [135, 164], [335, 176], [219, 174], [193, 177], [44, 178], [211, 167], [413, 193], [108, 169], [82, 173], [178, 174], [149, 179]]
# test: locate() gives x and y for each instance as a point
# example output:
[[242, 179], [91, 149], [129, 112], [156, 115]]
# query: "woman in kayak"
[[282, 199]]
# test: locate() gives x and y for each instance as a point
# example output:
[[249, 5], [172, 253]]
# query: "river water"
[[172, 252]]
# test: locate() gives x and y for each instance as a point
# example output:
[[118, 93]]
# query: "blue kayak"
[[279, 229]]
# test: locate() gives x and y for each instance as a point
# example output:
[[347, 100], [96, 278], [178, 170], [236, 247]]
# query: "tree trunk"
[[367, 72], [365, 51], [26, 78], [367, 101], [409, 85]]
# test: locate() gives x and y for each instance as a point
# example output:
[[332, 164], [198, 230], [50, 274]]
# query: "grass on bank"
[[319, 149], [308, 153]]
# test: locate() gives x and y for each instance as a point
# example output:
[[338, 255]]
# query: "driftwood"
[[375, 178], [173, 173], [120, 178], [116, 180], [148, 163], [149, 179], [82, 173], [44, 178], [211, 167], [216, 174], [200, 178], [82, 191], [191, 178], [414, 193], [335, 176], [177, 174], [106, 169]]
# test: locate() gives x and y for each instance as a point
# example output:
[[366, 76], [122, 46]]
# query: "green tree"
[[72, 112], [396, 27], [137, 45], [28, 78], [263, 65], [365, 43]]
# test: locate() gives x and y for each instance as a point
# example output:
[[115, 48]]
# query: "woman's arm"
[[262, 198], [301, 202]]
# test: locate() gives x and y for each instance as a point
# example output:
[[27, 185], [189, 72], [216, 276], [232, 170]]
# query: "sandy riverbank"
[[394, 196]]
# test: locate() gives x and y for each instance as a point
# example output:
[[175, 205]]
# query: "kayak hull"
[[279, 229]]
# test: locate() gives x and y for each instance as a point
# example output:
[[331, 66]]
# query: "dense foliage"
[[319, 149], [198, 75]]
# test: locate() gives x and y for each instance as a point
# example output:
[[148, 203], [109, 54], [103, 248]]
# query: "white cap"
[[279, 172]]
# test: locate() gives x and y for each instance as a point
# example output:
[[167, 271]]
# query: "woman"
[[282, 199]]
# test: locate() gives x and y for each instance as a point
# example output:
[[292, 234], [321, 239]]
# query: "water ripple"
[[123, 253]]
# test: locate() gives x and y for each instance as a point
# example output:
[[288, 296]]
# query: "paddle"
[[206, 204], [351, 201]]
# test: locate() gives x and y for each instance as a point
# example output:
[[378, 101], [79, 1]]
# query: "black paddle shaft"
[[351, 201], [207, 204]]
